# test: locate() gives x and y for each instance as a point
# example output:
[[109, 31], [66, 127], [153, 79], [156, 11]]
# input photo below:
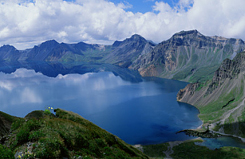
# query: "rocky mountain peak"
[[187, 38], [49, 43], [136, 37], [190, 33], [133, 38], [7, 47]]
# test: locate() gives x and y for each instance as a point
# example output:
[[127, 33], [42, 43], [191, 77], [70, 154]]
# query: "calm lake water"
[[139, 111]]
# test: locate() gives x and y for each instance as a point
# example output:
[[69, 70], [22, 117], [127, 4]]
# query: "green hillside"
[[42, 134]]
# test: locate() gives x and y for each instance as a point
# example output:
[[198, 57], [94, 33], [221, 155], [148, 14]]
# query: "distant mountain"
[[187, 55], [9, 53], [221, 99], [125, 52], [53, 51], [53, 68]]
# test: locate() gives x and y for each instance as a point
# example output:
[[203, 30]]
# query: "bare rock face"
[[188, 91], [221, 99], [229, 69], [185, 53], [126, 51]]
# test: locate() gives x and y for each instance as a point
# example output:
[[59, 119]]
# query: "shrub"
[[36, 135], [32, 124], [15, 125], [81, 141], [22, 136], [47, 112], [6, 153], [50, 148]]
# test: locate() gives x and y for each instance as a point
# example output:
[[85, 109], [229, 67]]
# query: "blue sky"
[[25, 23], [143, 5]]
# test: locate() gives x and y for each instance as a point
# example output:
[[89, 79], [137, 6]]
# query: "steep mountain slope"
[[221, 100], [42, 51], [188, 56], [54, 51], [42, 134], [9, 53], [127, 51]]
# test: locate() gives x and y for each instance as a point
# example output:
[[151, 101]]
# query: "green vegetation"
[[156, 151], [200, 133], [194, 58], [201, 85], [89, 55], [203, 74], [8, 117], [191, 151], [65, 135], [6, 153], [200, 75], [70, 57], [183, 74], [214, 110]]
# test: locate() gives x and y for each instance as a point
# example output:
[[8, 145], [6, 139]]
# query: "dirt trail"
[[170, 148]]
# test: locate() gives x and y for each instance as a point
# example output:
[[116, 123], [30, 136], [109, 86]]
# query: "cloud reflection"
[[30, 96], [90, 92]]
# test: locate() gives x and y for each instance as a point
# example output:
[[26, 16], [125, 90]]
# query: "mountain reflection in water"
[[138, 110]]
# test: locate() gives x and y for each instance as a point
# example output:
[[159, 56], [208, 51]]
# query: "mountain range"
[[187, 55], [214, 65], [221, 99]]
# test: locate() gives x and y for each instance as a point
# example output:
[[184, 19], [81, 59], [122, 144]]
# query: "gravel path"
[[170, 148]]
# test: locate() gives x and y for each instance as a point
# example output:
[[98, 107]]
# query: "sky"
[[25, 23]]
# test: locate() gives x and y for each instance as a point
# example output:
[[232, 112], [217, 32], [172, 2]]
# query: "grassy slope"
[[66, 135], [90, 55], [199, 67], [8, 117], [156, 151], [189, 150], [224, 106]]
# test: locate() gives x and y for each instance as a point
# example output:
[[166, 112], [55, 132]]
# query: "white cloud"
[[25, 23], [29, 96]]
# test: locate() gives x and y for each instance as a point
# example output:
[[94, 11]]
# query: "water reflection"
[[136, 110], [216, 143], [53, 69], [92, 91]]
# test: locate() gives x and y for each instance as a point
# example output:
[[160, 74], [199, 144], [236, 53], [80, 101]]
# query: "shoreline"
[[202, 126]]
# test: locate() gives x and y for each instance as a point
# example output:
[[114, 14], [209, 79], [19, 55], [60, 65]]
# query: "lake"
[[138, 110]]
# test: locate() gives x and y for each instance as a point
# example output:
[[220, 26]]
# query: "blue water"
[[215, 143], [139, 111]]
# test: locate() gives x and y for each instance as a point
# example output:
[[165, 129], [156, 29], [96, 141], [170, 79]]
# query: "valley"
[[213, 66], [186, 56], [221, 99]]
